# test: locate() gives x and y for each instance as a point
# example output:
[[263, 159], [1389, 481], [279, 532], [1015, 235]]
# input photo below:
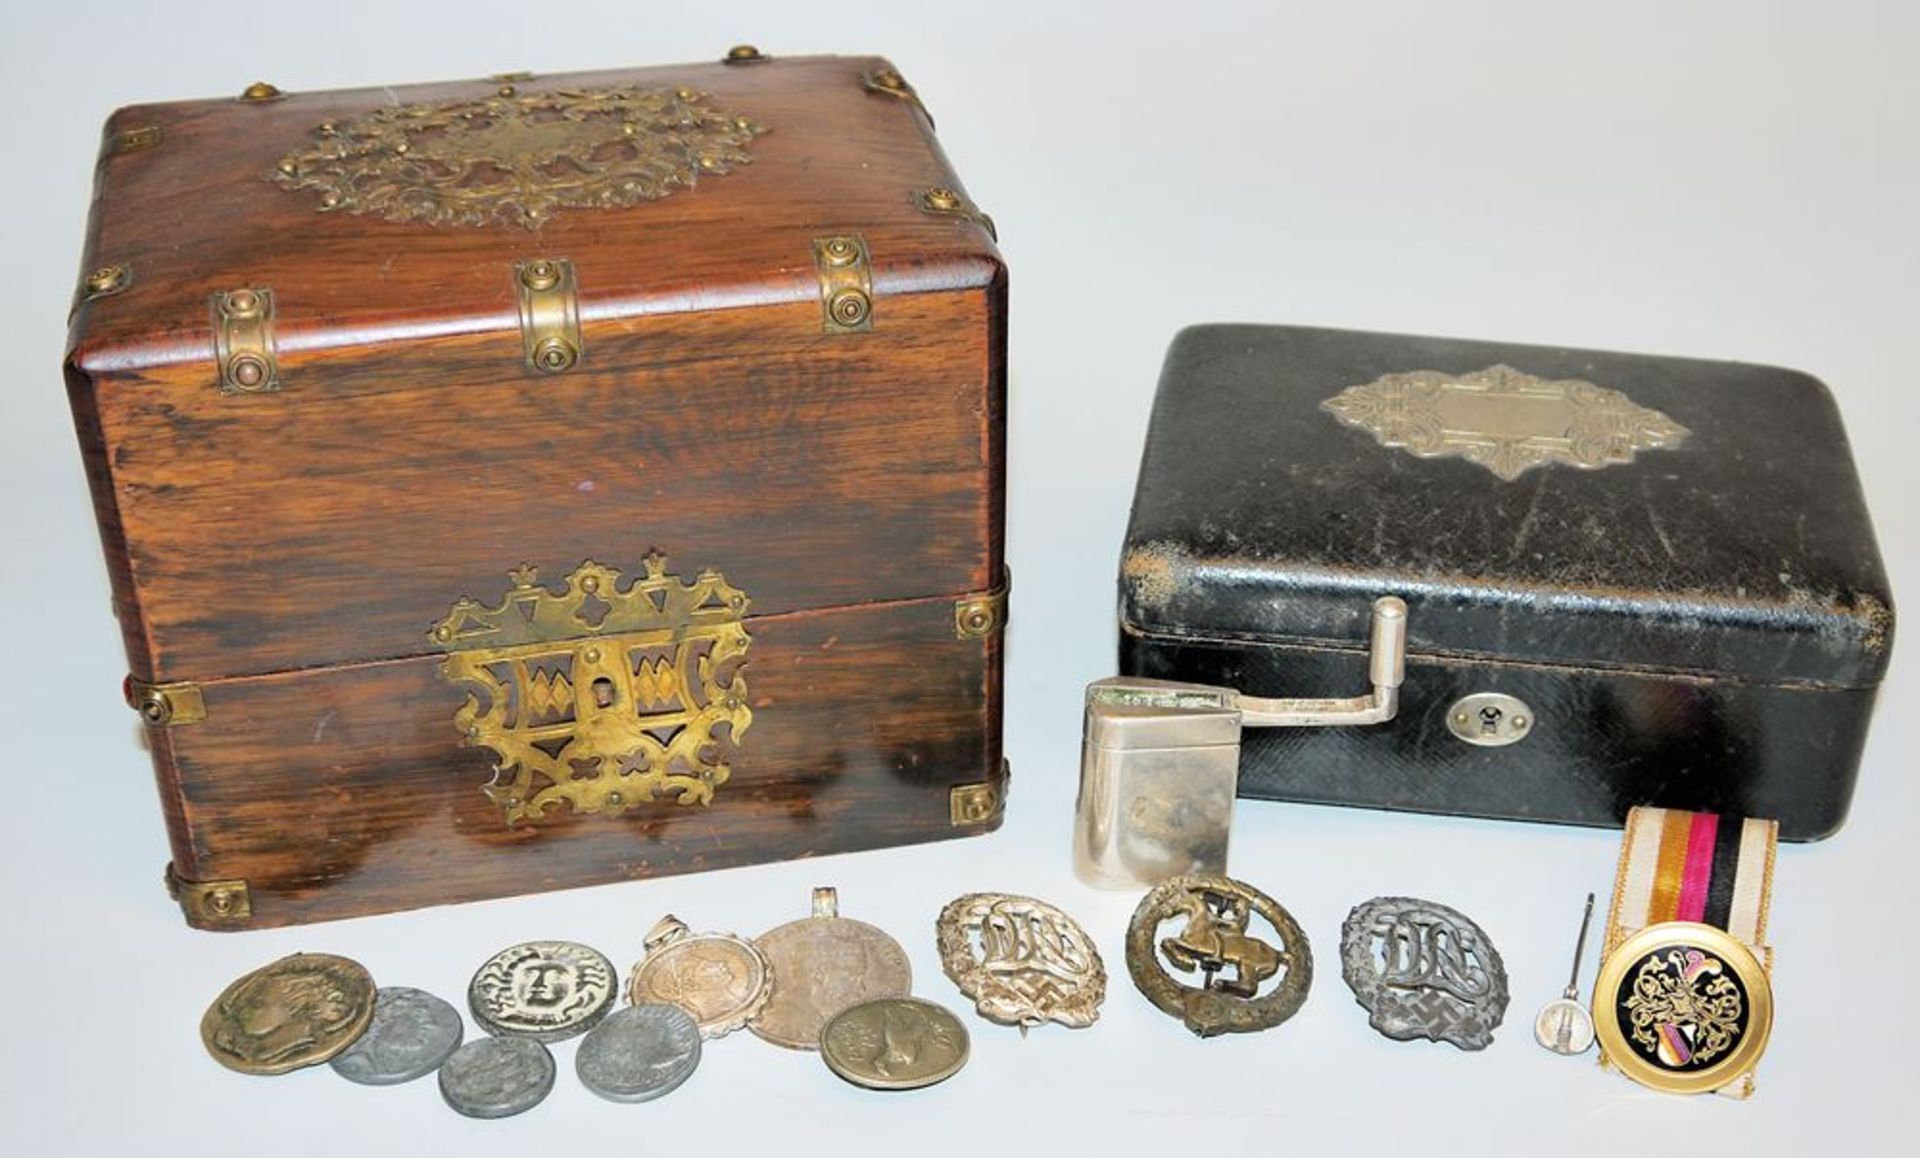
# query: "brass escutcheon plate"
[[599, 697]]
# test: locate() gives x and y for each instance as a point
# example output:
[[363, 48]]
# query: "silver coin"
[[411, 1033], [497, 1077], [1564, 1026], [639, 1053], [546, 990]]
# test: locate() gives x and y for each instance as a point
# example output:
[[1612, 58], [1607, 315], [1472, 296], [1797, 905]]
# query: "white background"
[[1730, 180]]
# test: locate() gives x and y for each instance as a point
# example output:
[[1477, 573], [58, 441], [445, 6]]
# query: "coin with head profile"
[[497, 1077], [640, 1053], [723, 981], [821, 965], [299, 1011], [411, 1033]]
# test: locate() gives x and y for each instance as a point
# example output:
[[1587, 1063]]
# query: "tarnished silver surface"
[[411, 1033], [497, 1077], [1422, 969], [1160, 761], [1021, 960], [821, 965], [545, 990], [639, 1053]]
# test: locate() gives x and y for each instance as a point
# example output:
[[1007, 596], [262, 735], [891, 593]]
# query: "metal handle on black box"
[[1386, 667]]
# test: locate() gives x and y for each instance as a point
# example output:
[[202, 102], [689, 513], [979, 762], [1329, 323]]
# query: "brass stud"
[[540, 275], [506, 90], [554, 356], [744, 54], [840, 251], [850, 307], [260, 91], [615, 799], [943, 199], [247, 371], [155, 709], [890, 80], [108, 279], [288, 167], [242, 302]]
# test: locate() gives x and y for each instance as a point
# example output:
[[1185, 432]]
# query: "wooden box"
[[537, 481]]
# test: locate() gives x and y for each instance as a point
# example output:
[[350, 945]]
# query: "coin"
[[545, 990], [894, 1043], [720, 979], [1564, 1026], [299, 1011], [1022, 961], [821, 965], [640, 1053], [411, 1033], [497, 1077]]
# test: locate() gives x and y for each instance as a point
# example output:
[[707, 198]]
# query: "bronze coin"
[[895, 1043], [299, 1011]]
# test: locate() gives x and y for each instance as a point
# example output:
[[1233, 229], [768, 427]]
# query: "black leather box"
[[1630, 580]]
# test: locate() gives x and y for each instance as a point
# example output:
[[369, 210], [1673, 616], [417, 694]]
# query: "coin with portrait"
[[821, 965], [721, 980], [299, 1011], [545, 990], [411, 1033], [640, 1053]]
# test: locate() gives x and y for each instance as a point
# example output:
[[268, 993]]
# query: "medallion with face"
[[545, 990]]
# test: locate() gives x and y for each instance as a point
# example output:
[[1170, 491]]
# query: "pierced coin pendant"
[[720, 980], [1421, 969], [1022, 961], [1214, 940], [821, 965]]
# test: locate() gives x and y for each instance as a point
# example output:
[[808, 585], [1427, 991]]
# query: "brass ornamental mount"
[[1022, 961], [943, 201], [135, 139], [1504, 419], [243, 341], [516, 157], [1160, 761], [549, 299], [105, 282], [887, 81], [846, 283], [167, 705], [1214, 940], [601, 697], [210, 903]]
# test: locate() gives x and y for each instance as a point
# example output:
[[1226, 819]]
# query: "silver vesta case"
[[1160, 761]]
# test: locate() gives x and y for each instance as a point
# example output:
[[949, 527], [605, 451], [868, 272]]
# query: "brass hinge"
[[549, 313], [846, 283], [135, 139], [980, 615], [943, 201], [889, 82], [211, 902], [973, 805], [166, 705], [243, 341]]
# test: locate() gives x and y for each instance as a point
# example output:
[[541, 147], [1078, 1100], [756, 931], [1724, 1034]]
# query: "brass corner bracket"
[[978, 805], [980, 615], [942, 201], [211, 902], [243, 341], [135, 139], [549, 313], [889, 82], [166, 705], [846, 283]]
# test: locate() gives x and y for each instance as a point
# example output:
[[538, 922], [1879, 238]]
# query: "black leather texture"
[[1703, 626]]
